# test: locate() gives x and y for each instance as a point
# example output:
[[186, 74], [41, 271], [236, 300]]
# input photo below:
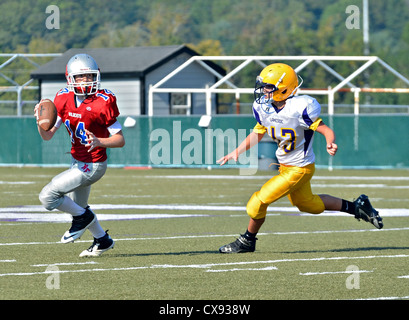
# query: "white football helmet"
[[81, 64]]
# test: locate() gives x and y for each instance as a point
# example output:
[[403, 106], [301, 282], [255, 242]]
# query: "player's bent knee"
[[256, 209], [314, 206], [308, 209], [48, 199]]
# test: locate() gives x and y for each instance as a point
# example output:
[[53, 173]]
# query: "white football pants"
[[75, 182]]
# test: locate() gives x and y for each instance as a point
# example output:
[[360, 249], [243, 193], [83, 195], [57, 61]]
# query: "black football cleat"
[[240, 245], [365, 211], [99, 246], [78, 226]]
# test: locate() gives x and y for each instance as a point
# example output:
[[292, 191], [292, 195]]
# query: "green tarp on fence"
[[363, 142]]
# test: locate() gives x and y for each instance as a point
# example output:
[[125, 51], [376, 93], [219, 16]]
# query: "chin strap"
[[301, 82]]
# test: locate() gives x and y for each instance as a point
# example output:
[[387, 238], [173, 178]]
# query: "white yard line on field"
[[282, 233], [210, 265], [267, 177], [333, 272], [63, 264], [386, 298], [17, 182], [38, 214], [243, 269], [207, 265], [63, 217]]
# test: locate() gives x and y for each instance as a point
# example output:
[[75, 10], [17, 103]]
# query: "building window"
[[180, 103]]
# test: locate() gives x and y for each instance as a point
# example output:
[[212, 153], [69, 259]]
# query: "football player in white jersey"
[[291, 122]]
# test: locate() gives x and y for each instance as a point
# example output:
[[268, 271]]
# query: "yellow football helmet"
[[276, 82]]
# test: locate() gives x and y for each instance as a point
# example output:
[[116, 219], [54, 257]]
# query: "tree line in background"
[[217, 27]]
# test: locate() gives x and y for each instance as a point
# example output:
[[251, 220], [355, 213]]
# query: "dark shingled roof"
[[114, 62]]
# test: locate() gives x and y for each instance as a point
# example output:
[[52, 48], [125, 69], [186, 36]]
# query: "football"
[[47, 114]]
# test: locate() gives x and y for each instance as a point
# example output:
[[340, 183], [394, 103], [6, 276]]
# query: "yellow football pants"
[[293, 182]]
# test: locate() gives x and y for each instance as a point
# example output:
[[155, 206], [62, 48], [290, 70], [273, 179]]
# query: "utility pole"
[[365, 23], [366, 27]]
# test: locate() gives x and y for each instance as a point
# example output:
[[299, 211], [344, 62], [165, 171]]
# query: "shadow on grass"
[[148, 254], [348, 250]]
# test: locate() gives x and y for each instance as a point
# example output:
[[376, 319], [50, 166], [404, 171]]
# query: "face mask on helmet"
[[84, 83], [83, 76], [263, 92], [276, 82]]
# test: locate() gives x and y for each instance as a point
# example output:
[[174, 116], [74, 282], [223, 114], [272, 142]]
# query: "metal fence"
[[11, 85]]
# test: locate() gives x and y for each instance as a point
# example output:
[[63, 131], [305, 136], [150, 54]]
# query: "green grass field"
[[169, 223]]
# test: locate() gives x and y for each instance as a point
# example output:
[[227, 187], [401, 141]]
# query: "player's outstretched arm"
[[251, 140]]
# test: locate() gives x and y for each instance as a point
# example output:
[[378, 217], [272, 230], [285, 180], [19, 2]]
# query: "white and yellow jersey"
[[291, 127]]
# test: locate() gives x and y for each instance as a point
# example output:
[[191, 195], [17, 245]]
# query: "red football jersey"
[[96, 113]]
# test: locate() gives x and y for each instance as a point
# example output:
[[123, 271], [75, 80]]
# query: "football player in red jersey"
[[90, 117]]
